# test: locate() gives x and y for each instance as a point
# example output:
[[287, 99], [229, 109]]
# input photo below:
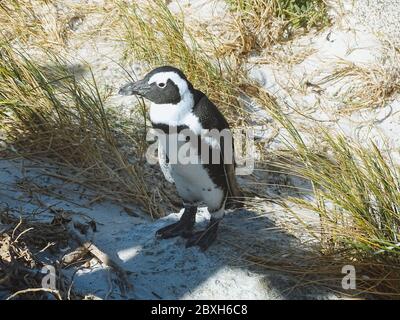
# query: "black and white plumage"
[[176, 105]]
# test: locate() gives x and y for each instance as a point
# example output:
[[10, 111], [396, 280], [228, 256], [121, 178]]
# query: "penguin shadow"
[[247, 261], [266, 249], [251, 258]]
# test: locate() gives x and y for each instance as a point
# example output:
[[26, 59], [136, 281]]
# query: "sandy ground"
[[357, 36], [162, 269], [165, 269]]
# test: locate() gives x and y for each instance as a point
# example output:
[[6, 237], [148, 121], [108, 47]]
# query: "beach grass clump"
[[45, 111], [263, 23], [355, 192], [366, 86], [156, 36]]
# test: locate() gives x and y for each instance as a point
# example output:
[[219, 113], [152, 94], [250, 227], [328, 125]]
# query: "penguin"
[[176, 106]]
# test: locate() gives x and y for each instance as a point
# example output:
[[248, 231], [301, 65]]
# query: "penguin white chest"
[[192, 180], [194, 184]]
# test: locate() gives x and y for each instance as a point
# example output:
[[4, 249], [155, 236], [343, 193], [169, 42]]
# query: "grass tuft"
[[366, 86], [45, 111], [356, 194], [156, 36], [262, 23]]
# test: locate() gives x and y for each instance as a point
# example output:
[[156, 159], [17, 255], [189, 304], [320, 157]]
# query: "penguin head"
[[163, 85]]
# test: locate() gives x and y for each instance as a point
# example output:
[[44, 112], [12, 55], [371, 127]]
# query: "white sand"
[[163, 269]]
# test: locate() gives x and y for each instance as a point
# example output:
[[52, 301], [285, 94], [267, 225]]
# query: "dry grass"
[[46, 112], [21, 244], [363, 86], [27, 246], [355, 193], [31, 21], [41, 23], [157, 37], [375, 279], [263, 23]]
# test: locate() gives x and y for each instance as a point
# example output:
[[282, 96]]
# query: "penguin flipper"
[[234, 194], [164, 163]]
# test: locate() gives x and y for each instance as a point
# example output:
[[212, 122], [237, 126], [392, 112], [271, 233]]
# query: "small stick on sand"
[[102, 257], [56, 293]]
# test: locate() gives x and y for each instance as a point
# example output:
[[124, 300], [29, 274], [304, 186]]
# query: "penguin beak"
[[138, 88]]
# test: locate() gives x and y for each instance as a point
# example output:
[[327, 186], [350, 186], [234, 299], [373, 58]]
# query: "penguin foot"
[[183, 228], [204, 238], [174, 230]]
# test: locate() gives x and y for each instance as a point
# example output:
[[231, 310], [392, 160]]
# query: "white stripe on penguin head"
[[163, 77], [174, 114]]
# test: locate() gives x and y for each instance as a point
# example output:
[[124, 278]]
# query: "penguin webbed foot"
[[204, 238], [183, 228], [175, 230]]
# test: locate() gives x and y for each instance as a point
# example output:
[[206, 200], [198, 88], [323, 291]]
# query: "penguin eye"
[[161, 85]]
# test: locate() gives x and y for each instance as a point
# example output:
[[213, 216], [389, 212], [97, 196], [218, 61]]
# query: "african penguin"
[[177, 106]]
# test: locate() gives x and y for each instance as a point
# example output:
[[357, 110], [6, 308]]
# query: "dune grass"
[[364, 86], [156, 36], [262, 23], [41, 23], [355, 193], [45, 111], [33, 22]]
